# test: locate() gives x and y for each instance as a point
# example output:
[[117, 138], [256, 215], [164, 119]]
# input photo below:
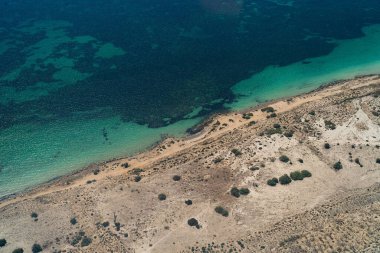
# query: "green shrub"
[[247, 115], [300, 160], [36, 248], [330, 125], [273, 131], [272, 182], [73, 221], [285, 179], [327, 146], [193, 222], [235, 192], [251, 123], [137, 171], [161, 196], [105, 224], [284, 159], [296, 175], [137, 179], [306, 173], [289, 133], [85, 241], [34, 215], [272, 115], [18, 250], [188, 202], [222, 211], [236, 152], [176, 178], [3, 242], [338, 166], [218, 160], [276, 125], [244, 191], [254, 168], [125, 165], [312, 113], [378, 160]]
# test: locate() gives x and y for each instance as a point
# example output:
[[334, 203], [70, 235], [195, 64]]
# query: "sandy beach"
[[117, 207]]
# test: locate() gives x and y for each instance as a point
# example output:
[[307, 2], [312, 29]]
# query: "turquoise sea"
[[85, 81]]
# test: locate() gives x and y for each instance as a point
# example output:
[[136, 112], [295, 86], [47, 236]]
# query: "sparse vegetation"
[[222, 211], [254, 168], [3, 242], [247, 115], [176, 178], [284, 159], [276, 125], [161, 196], [218, 160], [137, 171], [125, 165], [289, 133], [272, 182], [285, 179], [272, 131], [36, 248], [338, 166], [236, 152], [357, 161]]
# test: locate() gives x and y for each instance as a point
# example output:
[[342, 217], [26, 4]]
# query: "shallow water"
[[84, 81]]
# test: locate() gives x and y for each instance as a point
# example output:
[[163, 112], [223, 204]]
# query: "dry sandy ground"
[[331, 211]]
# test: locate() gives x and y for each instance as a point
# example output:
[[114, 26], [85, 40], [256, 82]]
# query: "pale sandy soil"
[[332, 211]]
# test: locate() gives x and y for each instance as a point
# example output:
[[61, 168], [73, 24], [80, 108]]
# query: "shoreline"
[[81, 175], [329, 135]]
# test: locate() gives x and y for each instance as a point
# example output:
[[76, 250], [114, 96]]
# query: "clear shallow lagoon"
[[85, 81]]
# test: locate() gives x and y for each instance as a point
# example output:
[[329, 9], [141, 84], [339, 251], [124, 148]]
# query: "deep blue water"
[[178, 54]]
